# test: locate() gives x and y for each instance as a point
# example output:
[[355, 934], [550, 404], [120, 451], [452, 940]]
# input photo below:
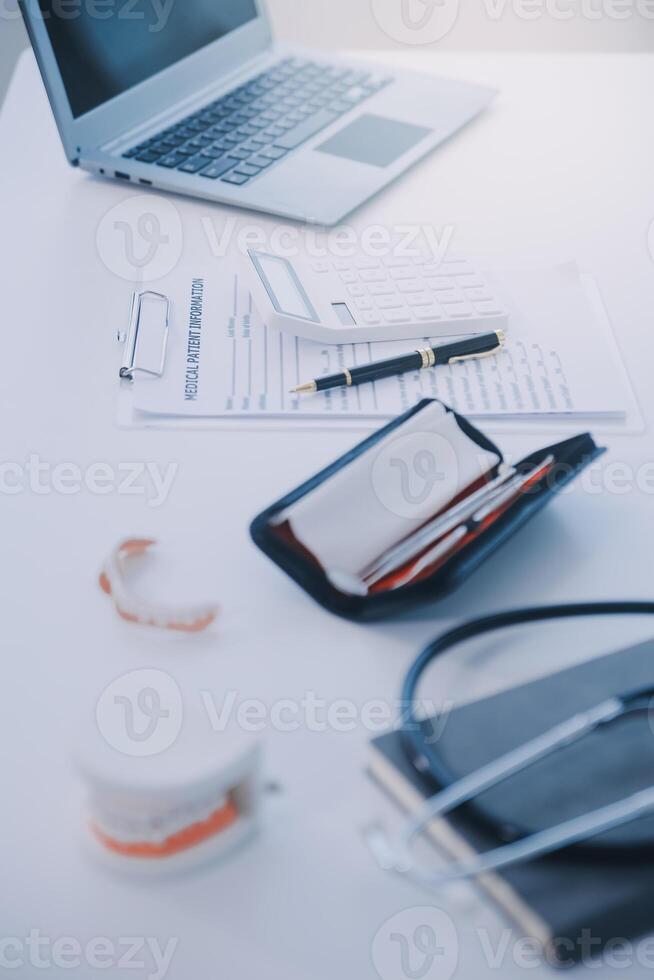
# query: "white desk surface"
[[561, 167]]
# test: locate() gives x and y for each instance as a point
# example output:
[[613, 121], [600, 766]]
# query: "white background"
[[350, 23]]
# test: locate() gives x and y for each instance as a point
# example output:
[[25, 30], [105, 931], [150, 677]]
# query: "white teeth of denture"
[[158, 826], [113, 581], [173, 809]]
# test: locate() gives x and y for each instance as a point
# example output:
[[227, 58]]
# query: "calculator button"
[[348, 276], [372, 319], [459, 309], [403, 273], [363, 262], [419, 299], [320, 266], [454, 267], [451, 296], [392, 262], [390, 302], [470, 282], [433, 269], [342, 266], [410, 286], [438, 282], [428, 313], [489, 307], [373, 275], [357, 290], [478, 294], [381, 289], [365, 303], [397, 316]]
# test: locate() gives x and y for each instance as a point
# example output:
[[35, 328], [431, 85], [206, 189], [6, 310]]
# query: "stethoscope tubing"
[[425, 757]]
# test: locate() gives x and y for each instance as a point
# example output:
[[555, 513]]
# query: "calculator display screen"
[[342, 311], [283, 286]]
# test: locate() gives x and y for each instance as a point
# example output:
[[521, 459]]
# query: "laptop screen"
[[104, 47]]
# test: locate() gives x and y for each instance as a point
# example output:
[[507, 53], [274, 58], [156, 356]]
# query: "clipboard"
[[157, 325], [130, 337], [131, 365]]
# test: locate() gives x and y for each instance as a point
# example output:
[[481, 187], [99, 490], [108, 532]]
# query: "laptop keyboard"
[[247, 131]]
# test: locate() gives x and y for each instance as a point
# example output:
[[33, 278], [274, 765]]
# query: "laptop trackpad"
[[374, 140]]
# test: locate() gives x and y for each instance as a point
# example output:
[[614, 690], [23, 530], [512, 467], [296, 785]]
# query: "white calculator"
[[342, 301]]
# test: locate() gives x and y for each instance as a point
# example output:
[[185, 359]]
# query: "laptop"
[[196, 98]]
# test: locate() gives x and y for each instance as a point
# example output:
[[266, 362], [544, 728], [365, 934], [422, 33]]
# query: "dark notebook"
[[564, 899]]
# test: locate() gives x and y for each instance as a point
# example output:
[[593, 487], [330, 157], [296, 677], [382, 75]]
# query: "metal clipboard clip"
[[130, 338]]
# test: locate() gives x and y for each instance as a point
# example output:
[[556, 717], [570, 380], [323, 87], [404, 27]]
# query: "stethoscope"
[[397, 854]]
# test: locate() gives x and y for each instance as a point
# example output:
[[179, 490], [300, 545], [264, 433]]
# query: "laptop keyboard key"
[[254, 145], [274, 132], [274, 153], [250, 170], [236, 179], [303, 132], [259, 161], [171, 160], [218, 168], [193, 164], [212, 152], [240, 153], [149, 156]]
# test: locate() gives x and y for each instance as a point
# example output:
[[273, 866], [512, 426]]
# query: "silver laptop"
[[194, 96]]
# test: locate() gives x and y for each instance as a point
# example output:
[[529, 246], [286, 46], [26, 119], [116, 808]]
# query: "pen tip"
[[310, 386]]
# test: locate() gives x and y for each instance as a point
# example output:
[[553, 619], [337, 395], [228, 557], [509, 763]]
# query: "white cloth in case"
[[386, 493]]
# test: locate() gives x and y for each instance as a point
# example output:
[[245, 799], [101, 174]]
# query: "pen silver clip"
[[501, 338]]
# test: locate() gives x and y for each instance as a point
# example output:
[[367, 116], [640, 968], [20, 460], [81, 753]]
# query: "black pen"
[[484, 345]]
